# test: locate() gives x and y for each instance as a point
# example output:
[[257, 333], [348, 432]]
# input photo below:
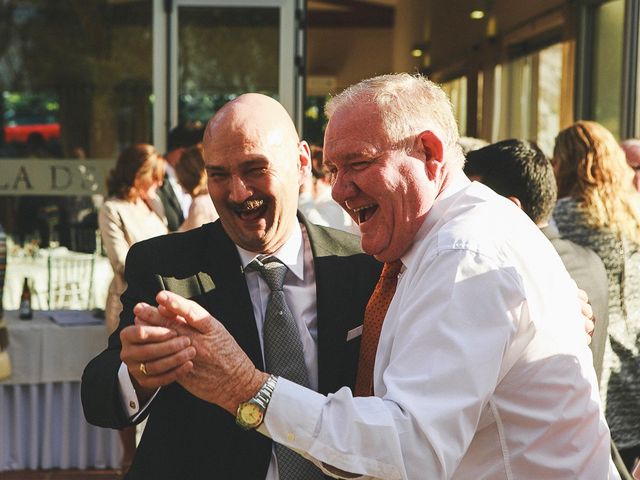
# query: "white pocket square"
[[354, 333]]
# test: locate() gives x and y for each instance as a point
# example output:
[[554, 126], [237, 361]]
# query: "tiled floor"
[[60, 475]]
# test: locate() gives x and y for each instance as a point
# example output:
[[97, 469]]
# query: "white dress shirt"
[[299, 291], [482, 370]]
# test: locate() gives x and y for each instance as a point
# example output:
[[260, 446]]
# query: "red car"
[[20, 133]]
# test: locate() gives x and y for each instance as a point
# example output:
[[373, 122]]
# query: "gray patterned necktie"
[[284, 357]]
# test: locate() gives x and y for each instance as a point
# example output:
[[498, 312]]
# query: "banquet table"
[[42, 425], [22, 264]]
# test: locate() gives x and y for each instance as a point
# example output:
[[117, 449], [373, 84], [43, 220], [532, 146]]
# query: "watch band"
[[263, 396]]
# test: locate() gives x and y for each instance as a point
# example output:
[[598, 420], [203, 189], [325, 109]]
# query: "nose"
[[239, 190], [343, 189]]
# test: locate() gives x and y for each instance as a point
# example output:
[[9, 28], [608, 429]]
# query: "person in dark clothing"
[[176, 202]]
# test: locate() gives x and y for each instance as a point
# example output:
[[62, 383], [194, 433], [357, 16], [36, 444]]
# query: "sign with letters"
[[42, 176]]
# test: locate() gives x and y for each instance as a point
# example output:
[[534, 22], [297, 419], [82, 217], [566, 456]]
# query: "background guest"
[[468, 144], [631, 149], [193, 179], [600, 209], [174, 200], [316, 202], [128, 215], [5, 363]]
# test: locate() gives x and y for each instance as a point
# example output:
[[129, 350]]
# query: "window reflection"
[[75, 83], [607, 66], [457, 91]]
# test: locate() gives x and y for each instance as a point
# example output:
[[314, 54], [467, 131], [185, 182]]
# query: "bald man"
[[255, 164]]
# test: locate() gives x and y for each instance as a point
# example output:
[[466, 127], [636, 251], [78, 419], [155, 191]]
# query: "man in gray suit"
[[520, 171], [255, 165]]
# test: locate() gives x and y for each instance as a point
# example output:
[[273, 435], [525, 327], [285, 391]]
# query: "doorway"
[[208, 52]]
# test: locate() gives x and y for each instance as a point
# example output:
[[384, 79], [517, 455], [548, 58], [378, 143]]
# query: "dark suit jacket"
[[172, 207], [186, 438], [586, 268]]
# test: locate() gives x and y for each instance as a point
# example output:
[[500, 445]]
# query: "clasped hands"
[[180, 341]]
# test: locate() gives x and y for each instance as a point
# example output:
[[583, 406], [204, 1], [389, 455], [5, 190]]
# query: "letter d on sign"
[[60, 177]]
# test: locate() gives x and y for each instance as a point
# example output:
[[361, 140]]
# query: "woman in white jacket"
[[129, 215]]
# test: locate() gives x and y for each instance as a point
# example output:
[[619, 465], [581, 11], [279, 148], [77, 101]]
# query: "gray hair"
[[409, 104]]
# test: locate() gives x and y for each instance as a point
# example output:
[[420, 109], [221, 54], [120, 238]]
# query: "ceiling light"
[[477, 14], [419, 49]]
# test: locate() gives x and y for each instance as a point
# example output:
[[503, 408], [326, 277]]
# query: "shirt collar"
[[440, 205], [291, 253]]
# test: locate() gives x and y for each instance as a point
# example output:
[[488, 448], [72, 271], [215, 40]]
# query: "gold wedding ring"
[[143, 369]]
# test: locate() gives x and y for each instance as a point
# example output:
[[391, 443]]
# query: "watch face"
[[251, 414]]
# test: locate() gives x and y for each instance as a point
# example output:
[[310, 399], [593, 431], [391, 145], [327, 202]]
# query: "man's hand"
[[221, 372], [587, 314], [164, 355]]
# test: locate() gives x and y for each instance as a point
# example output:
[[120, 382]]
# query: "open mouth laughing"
[[250, 209], [365, 212]]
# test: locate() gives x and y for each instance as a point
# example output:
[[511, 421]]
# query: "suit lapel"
[[229, 302], [332, 326]]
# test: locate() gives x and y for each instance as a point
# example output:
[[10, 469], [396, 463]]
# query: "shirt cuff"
[[128, 395], [292, 419]]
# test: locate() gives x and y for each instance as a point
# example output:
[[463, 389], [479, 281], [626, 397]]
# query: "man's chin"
[[370, 247], [255, 245], [252, 240], [384, 253]]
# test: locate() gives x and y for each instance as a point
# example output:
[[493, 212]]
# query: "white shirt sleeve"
[[128, 396], [447, 339]]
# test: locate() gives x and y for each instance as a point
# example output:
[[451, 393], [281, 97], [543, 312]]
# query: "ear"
[[304, 159], [515, 200], [433, 153]]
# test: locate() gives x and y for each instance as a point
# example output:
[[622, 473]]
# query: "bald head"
[[254, 115], [255, 165]]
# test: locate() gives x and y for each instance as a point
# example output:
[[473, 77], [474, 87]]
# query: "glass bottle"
[[25, 312]]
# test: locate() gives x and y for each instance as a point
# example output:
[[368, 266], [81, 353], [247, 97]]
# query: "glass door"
[[216, 50]]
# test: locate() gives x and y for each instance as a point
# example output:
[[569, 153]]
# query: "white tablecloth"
[[35, 267], [43, 352], [41, 420]]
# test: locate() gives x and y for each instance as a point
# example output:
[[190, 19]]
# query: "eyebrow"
[[369, 153], [256, 161], [215, 168]]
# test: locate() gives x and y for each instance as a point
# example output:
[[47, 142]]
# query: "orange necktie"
[[373, 318]]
